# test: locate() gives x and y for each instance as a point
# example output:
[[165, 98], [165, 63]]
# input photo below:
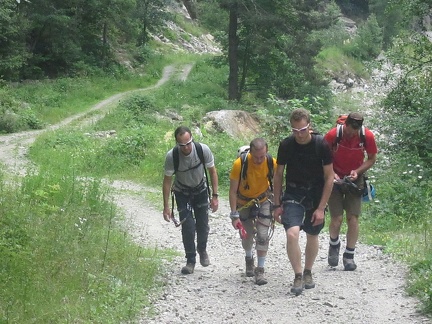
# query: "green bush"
[[139, 106], [127, 149], [420, 283], [368, 42]]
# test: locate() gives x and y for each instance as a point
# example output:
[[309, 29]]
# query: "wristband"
[[215, 195], [234, 215], [276, 206]]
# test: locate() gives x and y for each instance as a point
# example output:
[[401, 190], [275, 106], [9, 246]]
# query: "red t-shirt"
[[349, 154]]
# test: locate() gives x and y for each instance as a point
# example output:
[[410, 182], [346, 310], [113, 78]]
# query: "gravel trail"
[[220, 293]]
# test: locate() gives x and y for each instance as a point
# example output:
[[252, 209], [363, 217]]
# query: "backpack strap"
[[339, 133], [244, 166], [319, 140], [176, 158], [270, 174], [200, 153], [363, 136]]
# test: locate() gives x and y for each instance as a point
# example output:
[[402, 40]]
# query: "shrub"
[[367, 44]]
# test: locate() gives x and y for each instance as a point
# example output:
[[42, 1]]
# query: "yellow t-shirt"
[[256, 181]]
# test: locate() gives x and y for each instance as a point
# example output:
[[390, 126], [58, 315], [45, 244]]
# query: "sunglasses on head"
[[185, 144]]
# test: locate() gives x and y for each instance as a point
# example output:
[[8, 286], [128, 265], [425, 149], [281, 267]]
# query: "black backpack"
[[244, 165]]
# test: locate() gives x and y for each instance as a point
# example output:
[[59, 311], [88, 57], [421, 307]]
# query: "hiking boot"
[[188, 268], [349, 264], [259, 276], [250, 267], [297, 286], [307, 280], [204, 259], [333, 255]]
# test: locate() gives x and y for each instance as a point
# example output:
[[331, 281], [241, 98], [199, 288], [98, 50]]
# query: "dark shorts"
[[297, 211]]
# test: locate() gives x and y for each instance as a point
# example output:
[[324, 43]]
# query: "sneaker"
[[307, 280], [333, 255], [204, 259], [349, 264], [259, 276], [250, 267], [188, 268], [297, 286]]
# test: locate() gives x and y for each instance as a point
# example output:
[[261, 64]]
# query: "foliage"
[[367, 44], [267, 49], [60, 38], [15, 115], [420, 284], [405, 104], [275, 117], [61, 219], [63, 257], [333, 60], [389, 18]]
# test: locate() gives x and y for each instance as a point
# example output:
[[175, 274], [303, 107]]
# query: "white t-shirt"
[[190, 171]]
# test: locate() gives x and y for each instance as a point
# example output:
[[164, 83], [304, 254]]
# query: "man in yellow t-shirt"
[[250, 199]]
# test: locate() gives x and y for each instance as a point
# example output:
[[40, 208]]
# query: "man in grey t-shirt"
[[191, 194]]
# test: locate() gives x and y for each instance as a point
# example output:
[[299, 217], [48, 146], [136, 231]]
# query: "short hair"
[[182, 130], [258, 143], [299, 114]]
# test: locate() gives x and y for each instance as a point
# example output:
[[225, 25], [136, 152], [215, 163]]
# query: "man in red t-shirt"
[[348, 160]]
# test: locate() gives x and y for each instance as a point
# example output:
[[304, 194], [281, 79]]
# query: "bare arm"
[[277, 190], [318, 215], [328, 185], [366, 165], [234, 183], [166, 189], [214, 183]]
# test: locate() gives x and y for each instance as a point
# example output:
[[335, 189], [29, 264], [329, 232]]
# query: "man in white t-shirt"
[[191, 193]]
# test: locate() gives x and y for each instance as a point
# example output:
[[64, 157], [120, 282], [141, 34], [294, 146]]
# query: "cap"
[[355, 116]]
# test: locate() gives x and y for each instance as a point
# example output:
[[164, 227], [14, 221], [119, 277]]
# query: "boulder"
[[235, 123]]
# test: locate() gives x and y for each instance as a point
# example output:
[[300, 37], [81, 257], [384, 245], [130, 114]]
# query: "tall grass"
[[67, 255], [64, 256]]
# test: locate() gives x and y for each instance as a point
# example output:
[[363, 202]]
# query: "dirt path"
[[220, 293]]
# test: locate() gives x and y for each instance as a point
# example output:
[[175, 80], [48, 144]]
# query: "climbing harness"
[[255, 204]]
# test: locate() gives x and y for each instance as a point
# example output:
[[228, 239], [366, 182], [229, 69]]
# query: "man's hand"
[[214, 204], [277, 212], [353, 175], [167, 214], [235, 222], [317, 217]]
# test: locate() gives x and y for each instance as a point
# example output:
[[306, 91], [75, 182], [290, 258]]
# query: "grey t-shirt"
[[190, 173]]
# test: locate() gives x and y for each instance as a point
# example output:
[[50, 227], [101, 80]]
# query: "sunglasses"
[[185, 144], [300, 130]]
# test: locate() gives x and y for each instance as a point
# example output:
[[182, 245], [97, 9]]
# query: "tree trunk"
[[233, 93], [190, 7], [244, 69]]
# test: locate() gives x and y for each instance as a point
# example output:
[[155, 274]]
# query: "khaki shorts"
[[340, 202]]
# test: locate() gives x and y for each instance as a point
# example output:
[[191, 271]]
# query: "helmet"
[[365, 197]]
